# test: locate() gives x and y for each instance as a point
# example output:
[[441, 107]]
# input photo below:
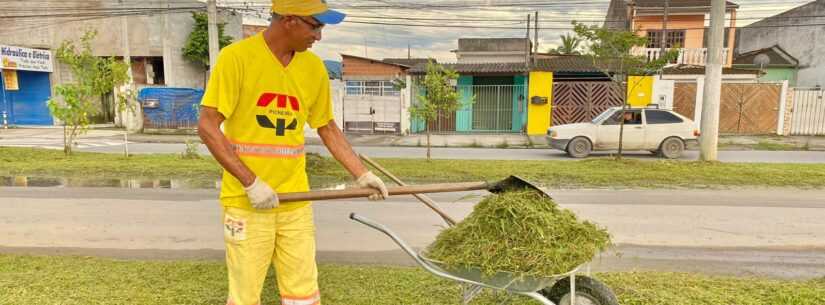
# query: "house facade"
[[775, 64], [788, 31], [681, 26], [493, 96], [373, 100]]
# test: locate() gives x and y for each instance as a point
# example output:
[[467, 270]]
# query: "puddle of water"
[[47, 182], [35, 181]]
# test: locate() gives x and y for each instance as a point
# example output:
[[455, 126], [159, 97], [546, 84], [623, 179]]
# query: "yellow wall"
[[693, 26], [538, 116], [639, 90]]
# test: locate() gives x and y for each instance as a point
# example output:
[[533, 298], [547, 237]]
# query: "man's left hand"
[[369, 179]]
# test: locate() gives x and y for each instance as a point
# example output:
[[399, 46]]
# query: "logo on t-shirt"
[[284, 111]]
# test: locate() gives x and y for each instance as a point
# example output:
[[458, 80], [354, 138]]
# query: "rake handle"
[[421, 197], [393, 191]]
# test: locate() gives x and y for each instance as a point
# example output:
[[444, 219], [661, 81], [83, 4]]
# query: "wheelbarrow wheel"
[[589, 291]]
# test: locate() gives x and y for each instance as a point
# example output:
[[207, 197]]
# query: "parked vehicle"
[[660, 131]]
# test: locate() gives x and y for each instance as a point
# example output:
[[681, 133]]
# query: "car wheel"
[[579, 147], [672, 148]]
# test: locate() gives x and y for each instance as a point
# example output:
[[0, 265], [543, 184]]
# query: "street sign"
[[17, 58]]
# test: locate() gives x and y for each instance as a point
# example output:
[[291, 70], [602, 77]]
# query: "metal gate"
[[493, 107], [808, 117], [684, 99], [372, 114], [749, 108], [576, 102]]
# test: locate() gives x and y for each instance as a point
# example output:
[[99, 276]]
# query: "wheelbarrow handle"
[[394, 190], [383, 229]]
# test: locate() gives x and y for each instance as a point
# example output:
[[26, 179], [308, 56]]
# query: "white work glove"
[[261, 196], [371, 180]]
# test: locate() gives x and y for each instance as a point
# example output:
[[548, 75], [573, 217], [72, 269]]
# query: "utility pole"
[[409, 54], [127, 57], [709, 138], [125, 119], [168, 62], [527, 45], [124, 33], [214, 48], [536, 35], [664, 28]]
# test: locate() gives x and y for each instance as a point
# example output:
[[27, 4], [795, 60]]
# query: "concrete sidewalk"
[[16, 136], [726, 142]]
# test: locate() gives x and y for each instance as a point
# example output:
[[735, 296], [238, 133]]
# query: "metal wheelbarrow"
[[552, 290]]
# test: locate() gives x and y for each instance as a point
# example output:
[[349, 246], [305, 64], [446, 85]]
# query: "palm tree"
[[569, 45]]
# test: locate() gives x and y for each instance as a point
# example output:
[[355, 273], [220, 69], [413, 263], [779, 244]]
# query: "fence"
[[692, 56], [170, 108], [808, 117], [496, 109]]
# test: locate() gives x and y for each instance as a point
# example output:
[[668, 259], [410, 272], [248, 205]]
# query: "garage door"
[[27, 106]]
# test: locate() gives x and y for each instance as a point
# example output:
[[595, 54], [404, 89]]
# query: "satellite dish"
[[761, 60]]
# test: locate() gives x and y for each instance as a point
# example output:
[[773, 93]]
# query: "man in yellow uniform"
[[264, 89]]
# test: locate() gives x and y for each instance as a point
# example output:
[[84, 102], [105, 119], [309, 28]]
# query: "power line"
[[549, 28], [104, 13], [552, 20]]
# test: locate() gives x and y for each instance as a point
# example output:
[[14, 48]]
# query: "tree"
[[569, 46], [197, 45], [611, 53], [437, 98], [94, 76]]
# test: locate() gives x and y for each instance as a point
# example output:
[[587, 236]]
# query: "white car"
[[660, 131]]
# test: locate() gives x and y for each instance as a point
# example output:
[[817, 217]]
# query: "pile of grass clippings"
[[521, 232]]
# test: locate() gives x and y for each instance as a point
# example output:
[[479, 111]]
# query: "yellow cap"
[[298, 7], [318, 9]]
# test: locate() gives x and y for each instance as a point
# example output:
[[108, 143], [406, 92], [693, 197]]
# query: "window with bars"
[[374, 88], [675, 38]]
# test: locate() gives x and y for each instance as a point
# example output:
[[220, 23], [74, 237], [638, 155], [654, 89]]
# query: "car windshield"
[[602, 116]]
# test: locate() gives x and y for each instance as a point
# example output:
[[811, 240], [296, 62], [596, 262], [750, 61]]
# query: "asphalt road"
[[775, 232]]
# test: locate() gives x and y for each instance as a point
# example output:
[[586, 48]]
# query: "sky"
[[437, 39]]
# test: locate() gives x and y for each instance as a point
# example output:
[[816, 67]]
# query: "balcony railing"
[[697, 57]]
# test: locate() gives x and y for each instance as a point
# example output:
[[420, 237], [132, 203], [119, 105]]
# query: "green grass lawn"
[[47, 280], [599, 172]]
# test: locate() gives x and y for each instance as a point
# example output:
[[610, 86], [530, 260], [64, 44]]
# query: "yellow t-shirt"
[[266, 106]]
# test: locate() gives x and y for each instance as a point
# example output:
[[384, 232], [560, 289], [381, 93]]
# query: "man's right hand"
[[261, 196]]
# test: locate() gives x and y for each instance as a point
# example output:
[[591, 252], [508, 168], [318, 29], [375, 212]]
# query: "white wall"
[[663, 92]]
